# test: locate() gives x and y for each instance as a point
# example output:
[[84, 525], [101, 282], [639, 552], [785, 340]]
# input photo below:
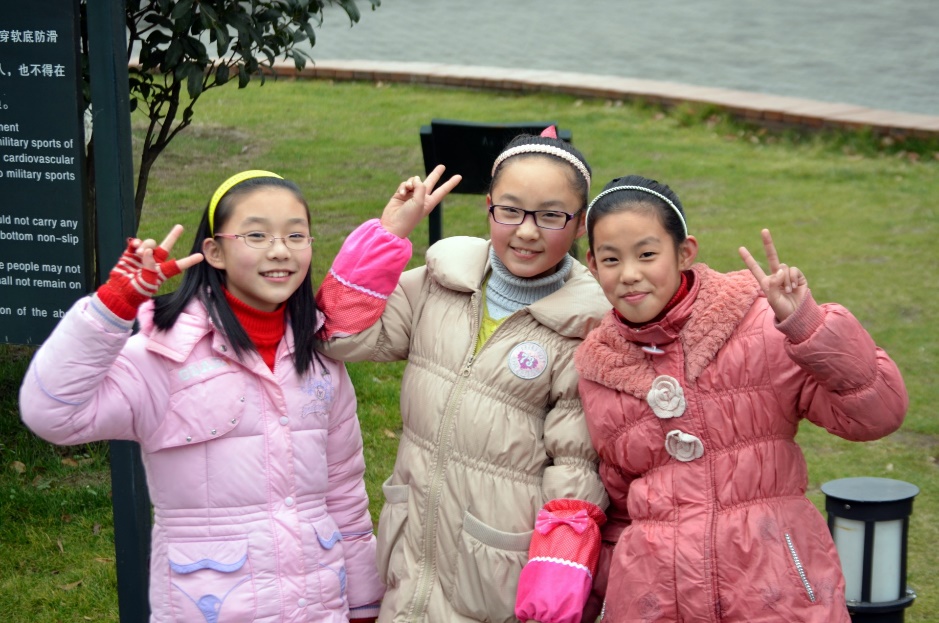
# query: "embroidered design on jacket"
[[321, 389], [666, 397], [198, 368], [649, 608], [528, 360]]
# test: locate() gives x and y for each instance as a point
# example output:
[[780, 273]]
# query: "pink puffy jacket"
[[256, 477], [697, 450]]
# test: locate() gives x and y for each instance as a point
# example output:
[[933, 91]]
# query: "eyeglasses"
[[264, 240], [545, 219]]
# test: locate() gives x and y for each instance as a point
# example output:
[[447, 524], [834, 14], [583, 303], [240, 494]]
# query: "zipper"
[[799, 568], [429, 567]]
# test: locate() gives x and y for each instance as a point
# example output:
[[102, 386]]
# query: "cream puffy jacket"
[[487, 439]]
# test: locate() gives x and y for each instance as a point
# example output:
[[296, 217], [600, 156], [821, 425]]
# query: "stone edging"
[[770, 110]]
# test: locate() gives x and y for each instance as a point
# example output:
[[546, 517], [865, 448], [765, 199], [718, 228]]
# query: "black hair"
[[206, 283], [627, 199], [579, 183]]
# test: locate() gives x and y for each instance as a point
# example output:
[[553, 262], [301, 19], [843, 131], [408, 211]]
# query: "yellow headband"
[[230, 183]]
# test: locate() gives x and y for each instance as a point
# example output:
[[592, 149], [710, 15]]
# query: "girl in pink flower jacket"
[[252, 448], [694, 386]]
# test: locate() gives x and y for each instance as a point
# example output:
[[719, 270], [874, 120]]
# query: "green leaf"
[[206, 21], [224, 39], [195, 49], [351, 9], [181, 71], [310, 32], [240, 21], [174, 54], [157, 38], [221, 74], [181, 9], [243, 77], [209, 12], [159, 20], [194, 81]]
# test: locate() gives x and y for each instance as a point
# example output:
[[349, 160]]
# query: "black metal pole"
[[115, 222]]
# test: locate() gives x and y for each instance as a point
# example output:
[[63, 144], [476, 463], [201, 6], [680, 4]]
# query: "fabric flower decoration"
[[683, 447], [666, 397]]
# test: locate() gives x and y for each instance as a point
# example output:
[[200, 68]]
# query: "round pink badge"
[[528, 360]]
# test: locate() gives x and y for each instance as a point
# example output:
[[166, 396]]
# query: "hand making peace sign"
[[785, 286], [414, 200], [149, 256], [140, 271]]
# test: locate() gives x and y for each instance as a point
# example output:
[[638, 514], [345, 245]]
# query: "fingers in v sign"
[[415, 199], [182, 263], [784, 286], [140, 271]]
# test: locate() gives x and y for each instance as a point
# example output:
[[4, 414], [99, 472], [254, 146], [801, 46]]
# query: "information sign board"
[[45, 233]]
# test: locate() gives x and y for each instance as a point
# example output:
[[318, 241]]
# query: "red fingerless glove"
[[130, 283]]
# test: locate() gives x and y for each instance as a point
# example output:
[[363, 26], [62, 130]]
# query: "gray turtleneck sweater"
[[506, 293]]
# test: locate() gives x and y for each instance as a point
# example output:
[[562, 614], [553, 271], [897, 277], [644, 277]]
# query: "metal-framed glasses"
[[545, 219], [264, 240]]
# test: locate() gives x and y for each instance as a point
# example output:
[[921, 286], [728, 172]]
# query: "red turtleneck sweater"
[[265, 329]]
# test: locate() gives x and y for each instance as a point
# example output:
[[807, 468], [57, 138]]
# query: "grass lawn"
[[858, 215]]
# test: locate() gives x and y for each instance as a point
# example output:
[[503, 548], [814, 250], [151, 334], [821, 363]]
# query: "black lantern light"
[[869, 520]]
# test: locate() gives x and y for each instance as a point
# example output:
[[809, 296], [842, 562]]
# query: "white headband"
[[535, 148], [668, 201]]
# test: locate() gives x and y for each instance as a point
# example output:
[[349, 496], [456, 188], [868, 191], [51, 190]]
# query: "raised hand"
[[785, 286], [140, 271], [414, 200]]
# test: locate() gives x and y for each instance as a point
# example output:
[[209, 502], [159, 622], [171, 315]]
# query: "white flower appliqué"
[[666, 397], [683, 447]]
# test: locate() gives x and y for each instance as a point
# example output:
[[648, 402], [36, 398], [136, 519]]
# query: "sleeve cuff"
[[804, 321], [112, 322], [369, 611], [371, 260]]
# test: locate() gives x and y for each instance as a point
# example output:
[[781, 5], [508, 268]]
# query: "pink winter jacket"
[[256, 477], [697, 450]]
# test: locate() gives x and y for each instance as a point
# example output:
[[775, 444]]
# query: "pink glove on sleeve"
[[556, 582], [130, 283]]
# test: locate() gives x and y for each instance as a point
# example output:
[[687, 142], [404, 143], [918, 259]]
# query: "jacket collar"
[[192, 325], [702, 323], [461, 263]]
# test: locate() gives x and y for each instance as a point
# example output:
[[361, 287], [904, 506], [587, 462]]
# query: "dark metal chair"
[[469, 148]]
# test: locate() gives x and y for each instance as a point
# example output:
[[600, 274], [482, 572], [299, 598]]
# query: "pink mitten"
[[556, 582]]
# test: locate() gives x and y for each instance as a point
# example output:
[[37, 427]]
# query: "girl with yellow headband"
[[250, 440]]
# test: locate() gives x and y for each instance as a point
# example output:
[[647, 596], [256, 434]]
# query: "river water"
[[875, 53]]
